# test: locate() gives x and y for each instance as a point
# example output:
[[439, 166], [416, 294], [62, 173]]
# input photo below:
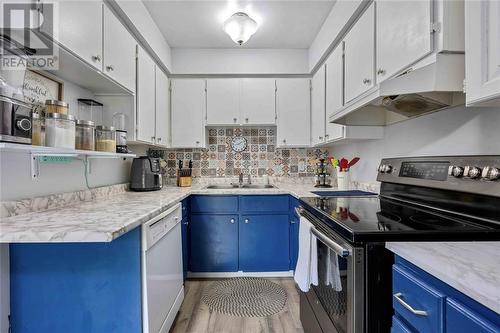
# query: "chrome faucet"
[[240, 179]]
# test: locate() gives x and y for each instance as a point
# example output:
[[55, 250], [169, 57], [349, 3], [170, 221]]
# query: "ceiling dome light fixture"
[[240, 27]]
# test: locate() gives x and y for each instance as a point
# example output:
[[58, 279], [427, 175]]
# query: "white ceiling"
[[198, 24]]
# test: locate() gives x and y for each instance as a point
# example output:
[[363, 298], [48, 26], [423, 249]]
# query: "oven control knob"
[[24, 124], [457, 171], [491, 173], [474, 172]]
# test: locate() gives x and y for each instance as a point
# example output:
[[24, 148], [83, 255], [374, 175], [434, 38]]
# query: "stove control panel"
[[477, 174]]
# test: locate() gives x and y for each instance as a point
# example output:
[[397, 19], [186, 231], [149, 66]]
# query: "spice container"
[[105, 139], [60, 130], [85, 135], [55, 106], [37, 130], [88, 109]]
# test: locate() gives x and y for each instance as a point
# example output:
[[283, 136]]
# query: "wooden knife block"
[[184, 178]]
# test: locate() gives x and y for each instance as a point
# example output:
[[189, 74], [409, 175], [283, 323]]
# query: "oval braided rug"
[[245, 297]]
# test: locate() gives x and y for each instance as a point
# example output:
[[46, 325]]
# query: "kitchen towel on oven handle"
[[306, 271]]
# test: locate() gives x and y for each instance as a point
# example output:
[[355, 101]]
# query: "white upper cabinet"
[[162, 92], [258, 101], [294, 114], [78, 27], [145, 97], [360, 55], [119, 51], [334, 92], [482, 52], [188, 113], [223, 96], [318, 114], [404, 34]]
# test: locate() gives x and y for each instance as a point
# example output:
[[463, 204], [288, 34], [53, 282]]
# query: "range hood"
[[434, 84]]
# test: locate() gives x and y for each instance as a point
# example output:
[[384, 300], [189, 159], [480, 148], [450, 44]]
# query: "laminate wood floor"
[[195, 316]]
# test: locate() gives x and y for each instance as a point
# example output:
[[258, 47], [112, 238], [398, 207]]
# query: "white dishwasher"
[[162, 280]]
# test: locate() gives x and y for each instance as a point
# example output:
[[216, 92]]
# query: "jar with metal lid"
[[85, 135], [37, 130], [55, 106], [60, 130], [105, 139]]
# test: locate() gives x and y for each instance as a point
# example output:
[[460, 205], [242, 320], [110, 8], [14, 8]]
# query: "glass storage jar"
[[105, 139], [55, 106], [60, 130], [85, 135], [37, 130]]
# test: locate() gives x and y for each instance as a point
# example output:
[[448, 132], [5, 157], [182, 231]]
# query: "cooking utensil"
[[344, 164], [352, 162]]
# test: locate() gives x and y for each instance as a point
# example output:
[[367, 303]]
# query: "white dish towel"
[[306, 272], [332, 271]]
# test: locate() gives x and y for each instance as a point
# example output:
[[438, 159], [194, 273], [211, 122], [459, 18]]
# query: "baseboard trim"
[[207, 275]]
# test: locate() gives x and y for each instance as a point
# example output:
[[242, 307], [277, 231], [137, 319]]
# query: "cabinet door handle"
[[186, 223], [159, 139], [96, 58], [152, 139], [110, 68], [235, 120], [381, 71], [408, 307], [284, 140], [367, 81], [320, 137], [247, 221], [246, 120], [292, 222], [197, 142], [232, 221]]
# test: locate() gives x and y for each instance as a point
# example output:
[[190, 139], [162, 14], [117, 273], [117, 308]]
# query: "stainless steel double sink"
[[237, 186]]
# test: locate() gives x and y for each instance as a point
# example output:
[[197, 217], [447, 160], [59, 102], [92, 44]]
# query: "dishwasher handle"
[[330, 243]]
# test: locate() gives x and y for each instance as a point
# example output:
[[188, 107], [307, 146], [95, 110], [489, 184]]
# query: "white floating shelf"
[[51, 151]]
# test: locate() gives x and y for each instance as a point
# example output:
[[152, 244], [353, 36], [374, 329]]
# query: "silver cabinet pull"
[[408, 307], [96, 58], [159, 139], [197, 142], [367, 81], [235, 120], [284, 140], [153, 139], [381, 71], [232, 221], [320, 137], [292, 222], [110, 68], [247, 221], [186, 223], [246, 120]]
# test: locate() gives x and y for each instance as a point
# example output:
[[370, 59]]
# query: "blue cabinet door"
[[185, 245], [461, 319], [214, 243], [264, 243]]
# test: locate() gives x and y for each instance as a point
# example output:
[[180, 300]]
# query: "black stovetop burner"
[[383, 219]]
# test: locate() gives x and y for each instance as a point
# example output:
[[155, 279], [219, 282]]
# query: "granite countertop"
[[106, 219], [473, 268]]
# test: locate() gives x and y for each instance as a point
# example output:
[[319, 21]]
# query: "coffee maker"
[[145, 174]]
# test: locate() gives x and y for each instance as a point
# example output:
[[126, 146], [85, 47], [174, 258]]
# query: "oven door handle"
[[337, 248]]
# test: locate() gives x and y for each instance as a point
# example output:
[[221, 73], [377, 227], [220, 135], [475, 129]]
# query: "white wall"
[[456, 131], [341, 16], [240, 61], [4, 288]]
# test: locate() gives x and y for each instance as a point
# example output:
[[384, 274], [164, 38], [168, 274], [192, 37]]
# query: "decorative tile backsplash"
[[259, 158]]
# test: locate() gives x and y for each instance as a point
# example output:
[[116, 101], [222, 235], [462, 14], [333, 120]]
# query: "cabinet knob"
[[246, 120], [284, 140], [153, 139], [367, 81], [327, 136], [186, 223], [96, 58], [247, 221], [381, 71], [232, 221], [158, 139], [110, 68], [197, 142], [235, 120], [292, 222], [320, 137]]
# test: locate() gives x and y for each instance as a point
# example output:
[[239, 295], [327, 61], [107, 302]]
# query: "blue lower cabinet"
[[461, 319], [399, 327], [418, 303], [213, 243], [185, 245], [77, 287], [445, 309], [264, 243]]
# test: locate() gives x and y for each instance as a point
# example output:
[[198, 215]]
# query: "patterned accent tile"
[[212, 132], [262, 132]]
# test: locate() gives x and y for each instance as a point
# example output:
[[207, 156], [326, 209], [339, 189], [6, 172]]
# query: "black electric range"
[[450, 198]]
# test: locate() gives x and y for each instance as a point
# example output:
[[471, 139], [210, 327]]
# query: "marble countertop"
[[473, 268], [106, 219]]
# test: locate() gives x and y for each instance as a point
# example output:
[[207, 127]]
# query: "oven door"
[[338, 300]]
